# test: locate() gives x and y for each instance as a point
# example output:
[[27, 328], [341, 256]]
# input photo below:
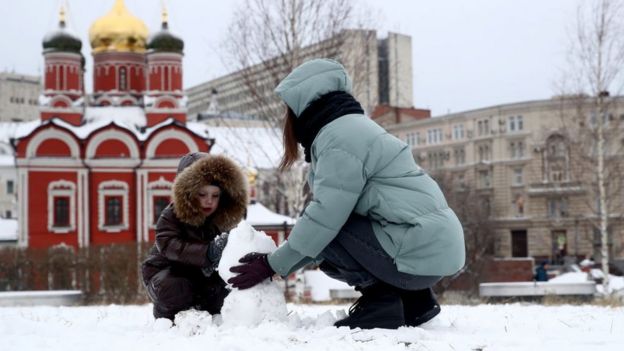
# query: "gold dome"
[[118, 31]]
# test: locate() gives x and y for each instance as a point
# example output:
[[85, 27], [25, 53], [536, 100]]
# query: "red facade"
[[99, 167]]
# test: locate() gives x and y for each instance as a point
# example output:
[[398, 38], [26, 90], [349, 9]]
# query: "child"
[[209, 198]]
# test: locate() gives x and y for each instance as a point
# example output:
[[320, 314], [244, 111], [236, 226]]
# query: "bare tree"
[[590, 117], [473, 210], [269, 38]]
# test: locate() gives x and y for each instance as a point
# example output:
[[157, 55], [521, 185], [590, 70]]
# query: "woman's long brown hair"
[[291, 148]]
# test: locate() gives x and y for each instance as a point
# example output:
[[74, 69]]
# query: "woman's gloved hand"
[[255, 269]]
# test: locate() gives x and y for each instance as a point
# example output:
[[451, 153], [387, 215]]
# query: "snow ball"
[[192, 322], [263, 302], [242, 240]]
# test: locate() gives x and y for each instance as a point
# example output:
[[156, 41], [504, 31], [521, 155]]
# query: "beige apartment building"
[[517, 158], [381, 70]]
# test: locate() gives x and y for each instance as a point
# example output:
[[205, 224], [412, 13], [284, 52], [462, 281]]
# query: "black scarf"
[[321, 112]]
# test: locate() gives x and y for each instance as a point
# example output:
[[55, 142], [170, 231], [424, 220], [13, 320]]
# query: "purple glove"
[[255, 269]]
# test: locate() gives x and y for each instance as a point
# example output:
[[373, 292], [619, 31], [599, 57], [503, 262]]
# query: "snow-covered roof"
[[7, 161], [10, 130], [256, 147], [130, 118], [258, 214], [8, 229]]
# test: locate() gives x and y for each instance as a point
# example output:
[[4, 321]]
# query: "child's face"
[[208, 197]]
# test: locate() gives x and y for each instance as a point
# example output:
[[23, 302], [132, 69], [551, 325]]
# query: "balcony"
[[558, 188]]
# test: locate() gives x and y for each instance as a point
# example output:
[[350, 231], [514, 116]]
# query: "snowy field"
[[485, 327]]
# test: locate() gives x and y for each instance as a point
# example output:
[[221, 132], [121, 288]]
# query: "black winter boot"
[[420, 306], [379, 306]]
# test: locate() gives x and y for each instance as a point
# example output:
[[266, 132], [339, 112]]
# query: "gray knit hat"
[[189, 159]]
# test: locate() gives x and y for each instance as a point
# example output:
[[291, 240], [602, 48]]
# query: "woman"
[[376, 220], [209, 198]]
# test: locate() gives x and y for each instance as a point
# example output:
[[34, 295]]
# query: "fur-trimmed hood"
[[211, 170]]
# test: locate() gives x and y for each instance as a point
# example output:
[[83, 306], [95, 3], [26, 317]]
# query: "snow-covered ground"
[[484, 327]]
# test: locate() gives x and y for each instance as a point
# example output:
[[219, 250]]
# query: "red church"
[[98, 168]]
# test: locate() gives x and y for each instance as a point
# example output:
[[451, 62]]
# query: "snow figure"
[[263, 302]]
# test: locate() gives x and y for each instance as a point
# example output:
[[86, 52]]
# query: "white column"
[[22, 196], [84, 180], [139, 206]]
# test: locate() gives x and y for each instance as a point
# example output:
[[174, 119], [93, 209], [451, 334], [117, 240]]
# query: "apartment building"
[[19, 97], [517, 157], [381, 70]]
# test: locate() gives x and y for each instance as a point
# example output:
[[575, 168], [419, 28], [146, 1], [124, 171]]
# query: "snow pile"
[[263, 302], [320, 285], [483, 327], [258, 214], [8, 229], [571, 277]]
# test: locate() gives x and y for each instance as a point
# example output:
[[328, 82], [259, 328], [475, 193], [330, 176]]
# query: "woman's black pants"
[[356, 258]]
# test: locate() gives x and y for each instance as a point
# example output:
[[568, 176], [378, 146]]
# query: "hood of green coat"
[[310, 81]]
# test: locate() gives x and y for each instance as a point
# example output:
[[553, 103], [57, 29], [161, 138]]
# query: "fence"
[[105, 274]]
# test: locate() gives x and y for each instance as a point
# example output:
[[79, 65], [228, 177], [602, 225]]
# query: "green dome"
[[61, 40], [165, 41]]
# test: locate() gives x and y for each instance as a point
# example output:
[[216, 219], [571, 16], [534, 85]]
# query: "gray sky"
[[466, 54]]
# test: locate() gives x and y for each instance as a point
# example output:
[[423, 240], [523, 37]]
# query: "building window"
[[559, 245], [485, 179], [556, 159], [557, 207], [160, 203], [434, 136], [8, 214], [412, 139], [516, 149], [460, 182], [113, 206], [460, 156], [436, 159], [61, 211], [605, 119], [10, 186], [458, 132], [517, 176], [61, 206], [515, 124], [518, 205], [519, 243], [113, 216], [483, 127], [160, 193], [484, 152]]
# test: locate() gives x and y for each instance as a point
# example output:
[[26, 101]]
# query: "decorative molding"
[[169, 134], [113, 162], [112, 134], [62, 98], [63, 188], [49, 163], [171, 99], [160, 187], [113, 188], [53, 133]]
